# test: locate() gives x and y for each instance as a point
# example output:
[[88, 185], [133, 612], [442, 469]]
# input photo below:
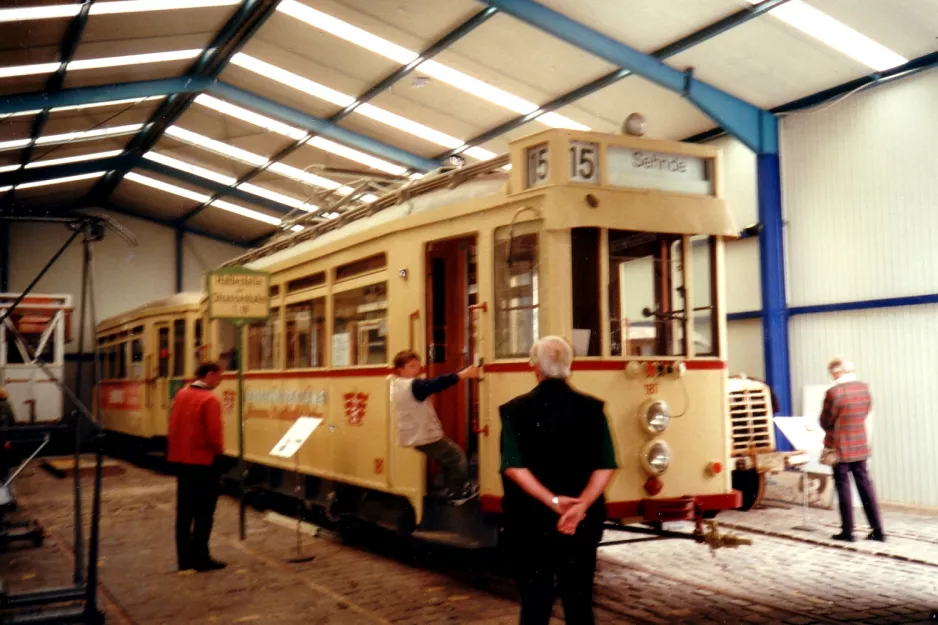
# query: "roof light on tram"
[[655, 415], [656, 457]]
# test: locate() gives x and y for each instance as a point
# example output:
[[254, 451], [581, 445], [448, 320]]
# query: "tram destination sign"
[[642, 169], [238, 294]]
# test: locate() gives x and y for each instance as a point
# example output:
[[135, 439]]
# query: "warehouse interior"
[[207, 128]]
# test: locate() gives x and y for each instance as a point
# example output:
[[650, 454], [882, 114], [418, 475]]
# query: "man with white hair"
[[843, 420], [557, 459]]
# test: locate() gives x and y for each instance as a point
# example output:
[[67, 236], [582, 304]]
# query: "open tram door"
[[452, 294]]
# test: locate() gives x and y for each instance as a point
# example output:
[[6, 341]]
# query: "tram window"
[[364, 265], [197, 354], [646, 294], [228, 345], [164, 353], [121, 349], [112, 362], [360, 336], [179, 348], [704, 295], [136, 354], [306, 329], [584, 246], [516, 294], [307, 282], [264, 343]]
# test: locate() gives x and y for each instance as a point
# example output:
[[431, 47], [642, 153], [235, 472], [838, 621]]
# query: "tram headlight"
[[656, 457], [655, 416]]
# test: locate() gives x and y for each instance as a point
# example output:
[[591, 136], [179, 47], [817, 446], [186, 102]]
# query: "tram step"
[[451, 539]]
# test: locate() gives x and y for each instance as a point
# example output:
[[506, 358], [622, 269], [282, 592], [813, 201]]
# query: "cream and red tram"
[[615, 242]]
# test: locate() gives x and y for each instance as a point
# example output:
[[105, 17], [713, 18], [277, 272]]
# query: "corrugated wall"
[[860, 185], [896, 352]]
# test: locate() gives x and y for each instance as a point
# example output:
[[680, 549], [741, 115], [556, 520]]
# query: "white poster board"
[[295, 437]]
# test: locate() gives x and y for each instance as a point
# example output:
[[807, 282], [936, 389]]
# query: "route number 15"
[[584, 162]]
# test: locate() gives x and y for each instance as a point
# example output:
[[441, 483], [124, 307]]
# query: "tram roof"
[[177, 300], [232, 117]]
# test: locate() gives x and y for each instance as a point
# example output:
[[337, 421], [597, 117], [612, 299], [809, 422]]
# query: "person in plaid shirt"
[[843, 420]]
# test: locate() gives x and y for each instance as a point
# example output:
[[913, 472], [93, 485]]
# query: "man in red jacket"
[[195, 440]]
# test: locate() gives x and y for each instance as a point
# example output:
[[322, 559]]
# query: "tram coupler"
[[714, 539]]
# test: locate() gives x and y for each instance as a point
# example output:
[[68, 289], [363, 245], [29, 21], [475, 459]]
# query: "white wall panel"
[[743, 278], [744, 342], [201, 255], [125, 276], [890, 354], [739, 180], [861, 195]]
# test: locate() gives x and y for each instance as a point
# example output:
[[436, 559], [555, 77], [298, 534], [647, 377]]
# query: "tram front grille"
[[751, 421]]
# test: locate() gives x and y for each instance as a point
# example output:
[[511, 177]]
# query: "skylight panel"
[[189, 168], [216, 146], [450, 76], [87, 135], [202, 198], [44, 183], [111, 61], [107, 8], [6, 168], [837, 35], [73, 159], [339, 99], [295, 133], [13, 144], [277, 197]]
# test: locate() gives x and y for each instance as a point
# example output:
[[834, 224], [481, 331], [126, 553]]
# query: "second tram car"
[[615, 242]]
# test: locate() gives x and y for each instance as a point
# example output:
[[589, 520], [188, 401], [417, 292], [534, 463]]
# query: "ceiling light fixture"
[[44, 183], [111, 61], [74, 159], [88, 135], [106, 8]]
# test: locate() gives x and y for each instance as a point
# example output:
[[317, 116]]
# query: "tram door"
[[451, 290], [161, 382]]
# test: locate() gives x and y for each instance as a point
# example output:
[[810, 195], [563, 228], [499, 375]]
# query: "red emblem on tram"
[[355, 406]]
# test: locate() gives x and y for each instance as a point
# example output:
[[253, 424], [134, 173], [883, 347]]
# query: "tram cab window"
[[112, 362], [517, 297], [197, 356], [646, 294], [704, 295], [121, 372], [264, 343], [306, 330], [360, 336], [179, 348], [163, 354], [136, 356], [229, 344], [585, 268]]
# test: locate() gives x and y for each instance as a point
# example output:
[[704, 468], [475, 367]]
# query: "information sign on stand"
[[239, 296], [289, 446]]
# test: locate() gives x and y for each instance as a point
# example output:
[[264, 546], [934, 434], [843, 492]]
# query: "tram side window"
[[197, 356], [360, 336], [163, 371], [704, 295], [229, 343], [179, 348], [584, 247], [136, 354], [516, 293], [121, 349], [306, 330], [646, 294], [264, 343], [112, 362]]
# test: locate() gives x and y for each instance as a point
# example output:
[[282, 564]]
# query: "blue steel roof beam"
[[684, 43], [83, 96], [249, 17], [380, 87], [69, 44], [753, 126], [920, 64]]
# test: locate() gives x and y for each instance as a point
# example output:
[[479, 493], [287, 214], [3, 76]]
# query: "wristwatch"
[[555, 501]]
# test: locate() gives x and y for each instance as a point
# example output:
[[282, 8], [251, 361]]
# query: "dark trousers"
[[543, 556], [453, 461], [196, 497], [842, 471]]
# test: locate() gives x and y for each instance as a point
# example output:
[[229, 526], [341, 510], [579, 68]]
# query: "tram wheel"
[[751, 484]]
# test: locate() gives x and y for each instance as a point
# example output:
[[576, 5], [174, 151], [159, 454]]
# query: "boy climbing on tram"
[[418, 425]]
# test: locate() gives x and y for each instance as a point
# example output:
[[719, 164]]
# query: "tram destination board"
[[237, 294]]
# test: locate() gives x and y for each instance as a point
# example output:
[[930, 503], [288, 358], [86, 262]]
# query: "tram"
[[613, 241]]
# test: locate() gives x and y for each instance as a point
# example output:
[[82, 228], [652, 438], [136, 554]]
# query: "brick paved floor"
[[776, 580]]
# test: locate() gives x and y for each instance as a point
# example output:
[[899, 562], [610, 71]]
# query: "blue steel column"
[[774, 301]]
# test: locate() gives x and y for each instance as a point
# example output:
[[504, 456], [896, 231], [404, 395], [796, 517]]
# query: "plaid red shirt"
[[843, 419]]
